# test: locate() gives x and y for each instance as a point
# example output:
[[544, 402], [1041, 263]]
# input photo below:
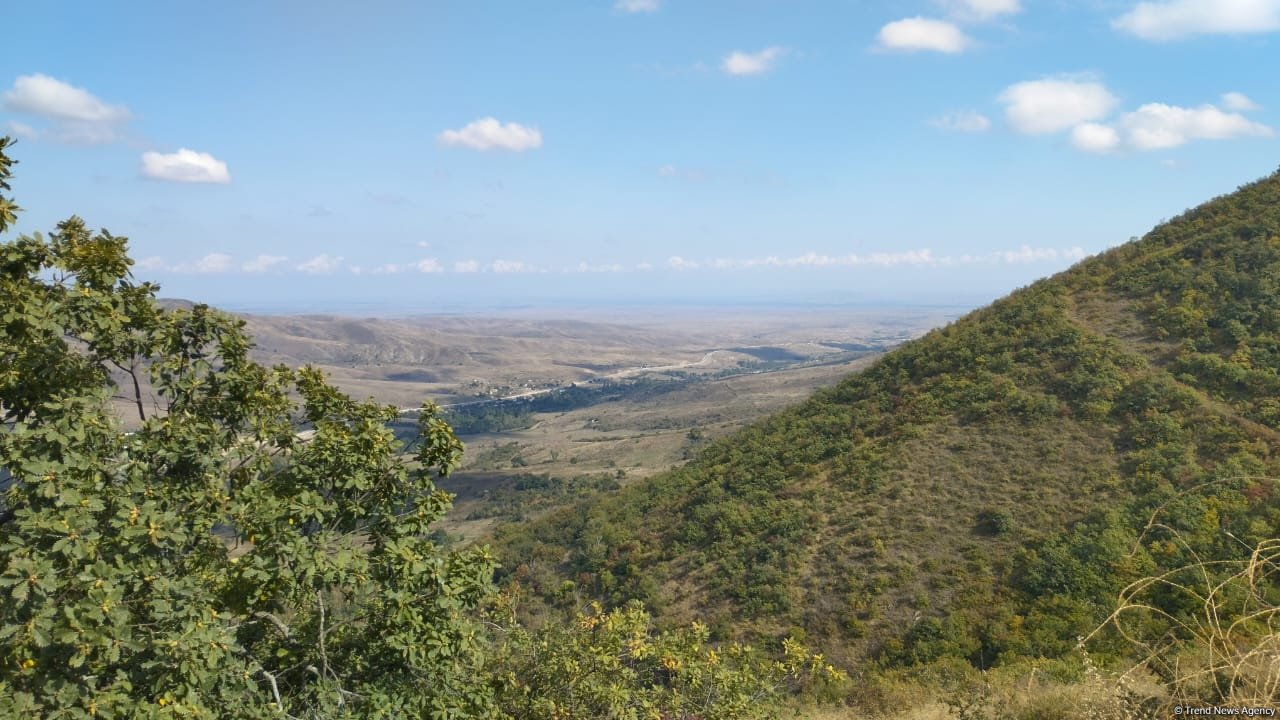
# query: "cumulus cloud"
[[320, 264], [489, 134], [429, 265], [150, 263], [918, 33], [982, 10], [1176, 19], [742, 63], [637, 6], [1037, 107], [1095, 138], [263, 263], [1239, 102], [51, 98], [186, 166], [968, 121], [1050, 105], [1157, 126], [466, 266], [78, 116]]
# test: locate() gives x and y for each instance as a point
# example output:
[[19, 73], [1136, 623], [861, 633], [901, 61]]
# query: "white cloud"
[[644, 266], [489, 134], [1156, 126], [429, 265], [466, 266], [585, 267], [386, 269], [1095, 138], [320, 264], [637, 6], [186, 166], [211, 264], [910, 257], [1174, 19], [1027, 254], [667, 171], [511, 266], [923, 257], [214, 263], [1239, 102], [918, 33], [968, 121], [1044, 106], [982, 10], [423, 244], [1052, 105], [879, 259], [79, 117], [741, 63], [150, 263], [48, 97], [263, 263]]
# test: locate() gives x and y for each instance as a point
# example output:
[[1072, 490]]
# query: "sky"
[[321, 155]]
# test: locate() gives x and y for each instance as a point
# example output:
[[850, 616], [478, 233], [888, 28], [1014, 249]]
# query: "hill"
[[985, 491]]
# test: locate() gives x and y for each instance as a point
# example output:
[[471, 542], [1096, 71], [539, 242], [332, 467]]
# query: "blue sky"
[[321, 154]]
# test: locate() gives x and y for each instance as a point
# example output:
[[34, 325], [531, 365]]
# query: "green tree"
[[255, 544], [213, 562], [612, 665]]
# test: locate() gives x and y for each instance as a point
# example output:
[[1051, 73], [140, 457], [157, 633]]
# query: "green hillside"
[[985, 491]]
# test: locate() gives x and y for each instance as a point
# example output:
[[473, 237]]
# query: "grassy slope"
[[984, 491]]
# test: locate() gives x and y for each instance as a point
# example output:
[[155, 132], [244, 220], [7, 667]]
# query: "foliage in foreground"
[[216, 562], [591, 669], [1226, 651]]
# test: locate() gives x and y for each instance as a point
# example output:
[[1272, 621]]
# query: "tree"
[[212, 562], [612, 664], [258, 545]]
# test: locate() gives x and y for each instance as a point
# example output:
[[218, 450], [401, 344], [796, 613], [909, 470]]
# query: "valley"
[[553, 409]]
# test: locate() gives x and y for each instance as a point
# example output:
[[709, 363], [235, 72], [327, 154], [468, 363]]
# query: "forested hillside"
[[985, 491]]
